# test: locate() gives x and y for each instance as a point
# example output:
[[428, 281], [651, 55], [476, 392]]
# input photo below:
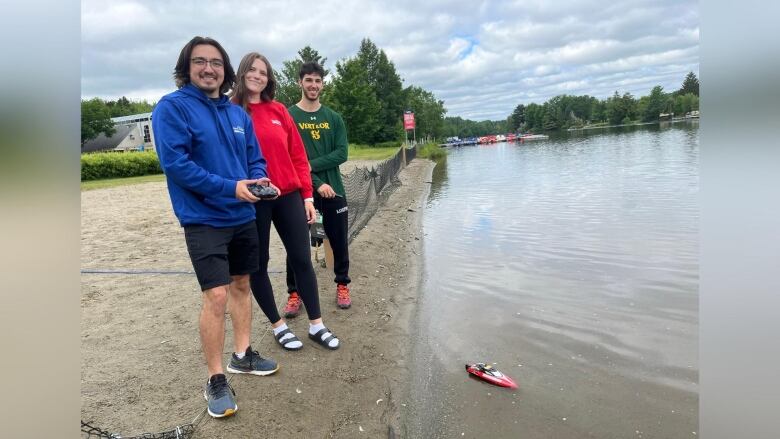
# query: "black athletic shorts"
[[220, 252]]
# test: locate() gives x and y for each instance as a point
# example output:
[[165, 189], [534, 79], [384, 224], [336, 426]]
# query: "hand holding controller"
[[262, 192]]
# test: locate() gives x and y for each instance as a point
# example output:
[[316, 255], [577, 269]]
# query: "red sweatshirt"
[[282, 147]]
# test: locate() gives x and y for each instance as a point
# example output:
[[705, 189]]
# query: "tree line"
[[565, 111], [464, 128]]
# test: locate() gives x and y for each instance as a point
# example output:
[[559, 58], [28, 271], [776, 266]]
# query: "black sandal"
[[324, 343], [288, 340]]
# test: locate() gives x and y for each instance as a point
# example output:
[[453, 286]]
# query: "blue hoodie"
[[205, 146]]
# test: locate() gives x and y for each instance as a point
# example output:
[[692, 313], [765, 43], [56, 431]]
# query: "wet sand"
[[142, 370]]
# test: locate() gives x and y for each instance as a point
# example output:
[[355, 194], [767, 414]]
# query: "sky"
[[482, 58]]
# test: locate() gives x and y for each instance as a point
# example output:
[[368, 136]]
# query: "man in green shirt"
[[325, 139]]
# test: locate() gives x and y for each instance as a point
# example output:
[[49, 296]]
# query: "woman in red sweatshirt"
[[288, 169]]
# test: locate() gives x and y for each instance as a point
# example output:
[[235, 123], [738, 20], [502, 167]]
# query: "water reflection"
[[439, 178]]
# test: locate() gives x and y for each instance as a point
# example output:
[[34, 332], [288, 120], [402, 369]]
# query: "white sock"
[[313, 329], [291, 344], [240, 355]]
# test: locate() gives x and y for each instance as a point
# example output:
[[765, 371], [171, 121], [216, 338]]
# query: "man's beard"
[[314, 99]]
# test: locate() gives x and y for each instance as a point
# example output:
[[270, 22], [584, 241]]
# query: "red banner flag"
[[408, 120]]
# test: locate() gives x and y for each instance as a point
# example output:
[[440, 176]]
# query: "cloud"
[[108, 20], [481, 58]]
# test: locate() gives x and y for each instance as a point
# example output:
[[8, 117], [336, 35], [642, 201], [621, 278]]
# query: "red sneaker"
[[293, 305], [342, 296]]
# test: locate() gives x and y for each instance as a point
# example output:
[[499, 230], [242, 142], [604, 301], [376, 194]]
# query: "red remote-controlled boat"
[[493, 376]]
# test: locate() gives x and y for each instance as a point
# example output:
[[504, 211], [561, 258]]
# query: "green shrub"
[[100, 165], [431, 151]]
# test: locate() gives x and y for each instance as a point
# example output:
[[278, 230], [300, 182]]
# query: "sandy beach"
[[142, 370]]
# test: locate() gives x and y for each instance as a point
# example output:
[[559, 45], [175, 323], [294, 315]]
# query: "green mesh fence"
[[180, 432], [411, 154], [366, 190], [361, 198], [387, 171]]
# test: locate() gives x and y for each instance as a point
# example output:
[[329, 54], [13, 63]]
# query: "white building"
[[133, 133]]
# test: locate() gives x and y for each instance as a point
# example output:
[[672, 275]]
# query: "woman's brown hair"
[[240, 94]]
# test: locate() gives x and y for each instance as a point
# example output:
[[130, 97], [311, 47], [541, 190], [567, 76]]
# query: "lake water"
[[572, 264]]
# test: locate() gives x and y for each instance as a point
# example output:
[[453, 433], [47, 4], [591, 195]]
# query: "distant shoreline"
[[634, 124]]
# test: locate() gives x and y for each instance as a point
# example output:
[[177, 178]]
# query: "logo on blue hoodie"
[[239, 130]]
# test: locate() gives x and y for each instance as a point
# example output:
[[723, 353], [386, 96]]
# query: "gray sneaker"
[[252, 363], [220, 397]]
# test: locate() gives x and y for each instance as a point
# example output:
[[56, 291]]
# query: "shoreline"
[[633, 124], [142, 369]]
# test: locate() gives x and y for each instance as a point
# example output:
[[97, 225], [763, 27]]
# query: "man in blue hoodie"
[[209, 153]]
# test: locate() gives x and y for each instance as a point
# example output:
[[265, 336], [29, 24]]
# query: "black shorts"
[[220, 252]]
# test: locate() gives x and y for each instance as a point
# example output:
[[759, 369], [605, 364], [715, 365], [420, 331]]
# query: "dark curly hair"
[[181, 73], [310, 68]]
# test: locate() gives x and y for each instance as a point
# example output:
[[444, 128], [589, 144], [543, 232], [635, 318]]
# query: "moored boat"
[[534, 136]]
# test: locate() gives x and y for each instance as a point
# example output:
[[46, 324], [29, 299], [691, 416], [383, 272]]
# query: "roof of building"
[[131, 118], [103, 143]]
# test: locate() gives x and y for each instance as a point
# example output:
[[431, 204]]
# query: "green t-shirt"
[[325, 139]]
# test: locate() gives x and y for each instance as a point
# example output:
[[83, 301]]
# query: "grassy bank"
[[112, 182], [363, 152]]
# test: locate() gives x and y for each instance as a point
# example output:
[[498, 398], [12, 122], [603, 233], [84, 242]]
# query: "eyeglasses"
[[215, 63]]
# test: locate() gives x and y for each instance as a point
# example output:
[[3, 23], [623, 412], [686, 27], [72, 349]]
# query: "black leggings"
[[335, 217], [289, 218]]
